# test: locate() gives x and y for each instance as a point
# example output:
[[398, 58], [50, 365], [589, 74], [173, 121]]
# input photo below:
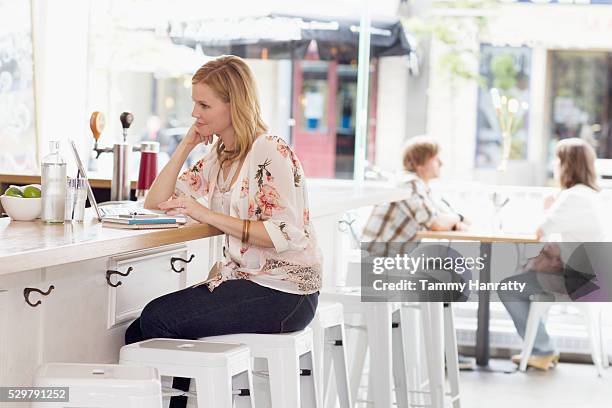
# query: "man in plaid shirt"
[[398, 222]]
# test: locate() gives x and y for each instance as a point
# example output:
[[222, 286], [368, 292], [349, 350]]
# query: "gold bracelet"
[[244, 228], [245, 231]]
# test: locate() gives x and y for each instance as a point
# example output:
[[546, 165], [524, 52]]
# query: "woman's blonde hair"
[[418, 150], [232, 81], [576, 163]]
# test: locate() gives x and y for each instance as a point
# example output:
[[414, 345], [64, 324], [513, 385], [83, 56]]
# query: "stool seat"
[[185, 352], [292, 373], [101, 385], [301, 340], [221, 371]]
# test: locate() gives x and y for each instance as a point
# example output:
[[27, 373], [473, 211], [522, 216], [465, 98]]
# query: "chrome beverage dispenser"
[[120, 183]]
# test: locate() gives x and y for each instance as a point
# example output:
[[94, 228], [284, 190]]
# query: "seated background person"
[[392, 227], [572, 215], [400, 221]]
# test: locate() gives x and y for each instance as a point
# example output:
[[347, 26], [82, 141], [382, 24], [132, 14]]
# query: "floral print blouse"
[[270, 187]]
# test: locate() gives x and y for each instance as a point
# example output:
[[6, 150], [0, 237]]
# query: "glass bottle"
[[53, 185]]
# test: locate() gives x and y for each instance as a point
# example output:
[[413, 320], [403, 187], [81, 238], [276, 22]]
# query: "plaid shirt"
[[399, 221]]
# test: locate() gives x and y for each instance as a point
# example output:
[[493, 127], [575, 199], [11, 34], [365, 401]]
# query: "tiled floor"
[[566, 386]]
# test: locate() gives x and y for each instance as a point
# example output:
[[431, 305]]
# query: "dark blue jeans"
[[236, 306]]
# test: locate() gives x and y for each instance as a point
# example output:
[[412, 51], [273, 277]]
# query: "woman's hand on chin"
[[195, 137], [186, 206]]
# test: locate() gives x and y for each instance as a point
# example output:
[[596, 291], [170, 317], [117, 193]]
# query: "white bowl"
[[21, 209]]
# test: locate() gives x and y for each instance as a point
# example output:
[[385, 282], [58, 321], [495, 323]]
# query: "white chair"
[[592, 313], [329, 350], [291, 368], [385, 345], [101, 385], [438, 343], [221, 371]]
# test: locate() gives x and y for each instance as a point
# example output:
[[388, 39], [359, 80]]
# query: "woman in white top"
[[572, 215], [252, 187]]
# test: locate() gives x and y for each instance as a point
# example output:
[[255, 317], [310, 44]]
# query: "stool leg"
[[452, 355], [399, 362], [309, 397], [340, 370], [213, 390], [261, 383], [434, 351], [595, 338], [412, 351], [378, 319], [604, 347], [536, 312], [361, 349], [242, 381], [327, 388], [284, 373], [320, 354]]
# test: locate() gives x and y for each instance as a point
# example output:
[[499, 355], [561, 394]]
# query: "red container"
[[148, 167]]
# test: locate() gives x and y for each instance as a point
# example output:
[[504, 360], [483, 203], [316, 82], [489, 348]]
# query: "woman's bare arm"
[[163, 186]]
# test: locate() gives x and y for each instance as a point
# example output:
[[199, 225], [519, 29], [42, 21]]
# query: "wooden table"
[[486, 240]]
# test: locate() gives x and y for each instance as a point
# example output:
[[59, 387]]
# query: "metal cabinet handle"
[[176, 258], [27, 291], [110, 273]]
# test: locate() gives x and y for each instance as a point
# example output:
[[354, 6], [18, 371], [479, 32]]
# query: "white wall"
[[451, 117], [391, 115], [274, 80]]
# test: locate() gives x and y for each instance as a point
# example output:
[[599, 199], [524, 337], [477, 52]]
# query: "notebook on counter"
[[142, 220], [139, 226]]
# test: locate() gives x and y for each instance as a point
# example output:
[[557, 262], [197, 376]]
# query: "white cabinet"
[[84, 318], [20, 331], [198, 268], [149, 274], [75, 327]]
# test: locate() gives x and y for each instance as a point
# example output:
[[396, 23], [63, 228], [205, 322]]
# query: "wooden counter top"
[[31, 244], [6, 179]]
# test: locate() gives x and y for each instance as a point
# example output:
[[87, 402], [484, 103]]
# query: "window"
[[305, 69], [581, 98], [506, 69]]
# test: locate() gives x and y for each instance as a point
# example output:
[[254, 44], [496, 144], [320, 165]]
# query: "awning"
[[281, 36]]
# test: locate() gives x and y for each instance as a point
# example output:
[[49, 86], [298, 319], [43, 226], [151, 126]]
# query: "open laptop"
[[113, 210]]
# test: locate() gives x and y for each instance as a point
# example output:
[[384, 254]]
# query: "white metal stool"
[[101, 385], [329, 349], [292, 371], [438, 343], [382, 321], [592, 313], [221, 371]]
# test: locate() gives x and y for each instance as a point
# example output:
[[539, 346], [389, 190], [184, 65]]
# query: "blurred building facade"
[[555, 59]]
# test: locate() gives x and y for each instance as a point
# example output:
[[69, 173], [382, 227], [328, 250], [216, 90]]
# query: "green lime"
[[13, 191], [31, 192]]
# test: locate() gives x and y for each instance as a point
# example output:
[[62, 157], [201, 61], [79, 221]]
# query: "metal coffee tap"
[[120, 184]]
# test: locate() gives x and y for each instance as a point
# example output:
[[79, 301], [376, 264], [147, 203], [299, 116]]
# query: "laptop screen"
[[81, 168]]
